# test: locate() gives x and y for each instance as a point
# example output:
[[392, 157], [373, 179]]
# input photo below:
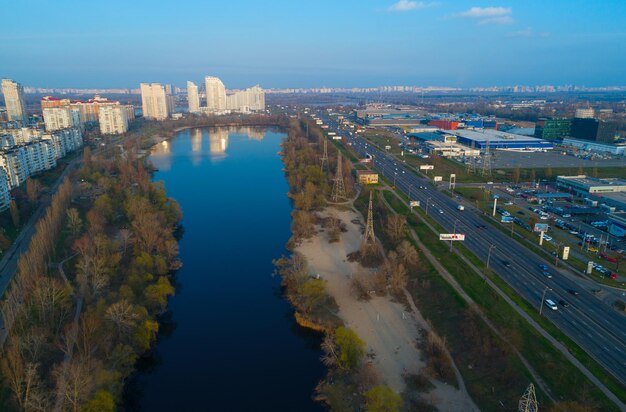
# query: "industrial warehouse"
[[480, 140]]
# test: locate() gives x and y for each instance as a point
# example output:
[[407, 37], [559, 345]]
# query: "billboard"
[[451, 236], [541, 227], [506, 219], [437, 178], [565, 252], [414, 203], [589, 267], [427, 167]]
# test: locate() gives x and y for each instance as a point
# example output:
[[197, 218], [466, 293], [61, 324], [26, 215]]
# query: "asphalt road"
[[592, 324]]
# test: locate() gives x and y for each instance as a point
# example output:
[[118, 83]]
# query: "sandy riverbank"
[[389, 331]]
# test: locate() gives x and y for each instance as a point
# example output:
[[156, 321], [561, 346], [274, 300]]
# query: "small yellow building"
[[367, 177]]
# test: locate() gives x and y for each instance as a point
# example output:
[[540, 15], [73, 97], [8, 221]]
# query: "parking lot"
[[506, 159]]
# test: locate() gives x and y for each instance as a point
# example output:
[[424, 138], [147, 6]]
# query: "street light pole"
[[454, 232], [556, 257], [543, 297], [489, 255]]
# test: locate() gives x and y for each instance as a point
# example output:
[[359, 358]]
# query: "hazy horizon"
[[290, 45]]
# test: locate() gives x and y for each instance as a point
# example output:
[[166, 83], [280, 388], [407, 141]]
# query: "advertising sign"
[[506, 219], [414, 203], [451, 236], [427, 167], [541, 227], [437, 178], [565, 252], [589, 267]]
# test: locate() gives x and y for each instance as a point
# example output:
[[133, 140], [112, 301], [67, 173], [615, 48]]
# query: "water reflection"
[[218, 142], [216, 150], [160, 155]]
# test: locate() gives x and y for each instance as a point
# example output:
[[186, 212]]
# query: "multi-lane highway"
[[592, 324]]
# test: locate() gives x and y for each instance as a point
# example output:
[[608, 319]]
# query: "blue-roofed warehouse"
[[496, 139]]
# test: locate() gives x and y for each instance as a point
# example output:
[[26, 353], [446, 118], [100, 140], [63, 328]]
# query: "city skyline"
[[351, 44]]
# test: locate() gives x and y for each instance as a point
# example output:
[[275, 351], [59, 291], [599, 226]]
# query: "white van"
[[549, 303]]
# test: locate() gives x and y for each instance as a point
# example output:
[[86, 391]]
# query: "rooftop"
[[492, 136], [594, 181]]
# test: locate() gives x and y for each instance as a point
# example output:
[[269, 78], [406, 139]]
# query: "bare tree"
[[396, 225], [75, 382], [15, 213], [74, 222], [33, 188], [123, 316], [407, 253]]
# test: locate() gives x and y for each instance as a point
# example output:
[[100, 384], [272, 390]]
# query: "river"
[[229, 341]]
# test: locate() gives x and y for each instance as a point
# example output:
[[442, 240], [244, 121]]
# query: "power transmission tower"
[[368, 237], [471, 165], [528, 402], [325, 155], [339, 189], [487, 160]]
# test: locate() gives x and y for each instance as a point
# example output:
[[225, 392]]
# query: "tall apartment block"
[[14, 99], [5, 196], [193, 97], [113, 118], [215, 94], [155, 101], [57, 118]]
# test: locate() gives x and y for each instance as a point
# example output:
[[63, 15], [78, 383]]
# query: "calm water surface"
[[230, 342]]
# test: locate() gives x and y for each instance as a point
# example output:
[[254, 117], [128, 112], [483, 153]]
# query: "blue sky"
[[340, 43]]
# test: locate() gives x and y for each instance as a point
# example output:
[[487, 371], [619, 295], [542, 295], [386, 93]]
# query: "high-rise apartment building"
[[5, 196], [215, 94], [155, 102], [248, 100], [193, 97], [14, 100], [113, 118], [57, 118]]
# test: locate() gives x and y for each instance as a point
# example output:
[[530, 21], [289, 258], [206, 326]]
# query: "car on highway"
[[543, 267], [549, 303], [563, 303], [573, 292], [506, 263], [440, 211], [547, 274]]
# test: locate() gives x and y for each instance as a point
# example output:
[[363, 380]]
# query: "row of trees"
[[118, 241], [351, 381]]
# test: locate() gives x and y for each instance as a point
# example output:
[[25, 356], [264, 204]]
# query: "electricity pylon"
[[324, 158], [339, 189], [487, 160], [528, 402], [471, 165], [368, 237]]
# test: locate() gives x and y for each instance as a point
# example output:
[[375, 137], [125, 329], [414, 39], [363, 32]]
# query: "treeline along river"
[[229, 341]]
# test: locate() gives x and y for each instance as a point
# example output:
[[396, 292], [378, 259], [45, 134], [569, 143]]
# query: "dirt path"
[[389, 331]]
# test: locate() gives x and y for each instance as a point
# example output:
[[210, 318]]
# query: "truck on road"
[[460, 208]]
